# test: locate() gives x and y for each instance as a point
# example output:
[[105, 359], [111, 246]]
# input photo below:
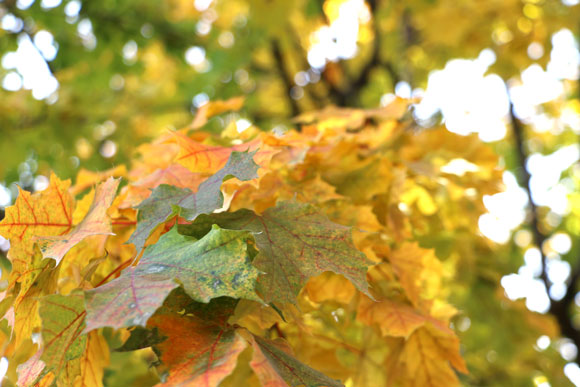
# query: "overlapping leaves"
[[166, 201], [95, 222], [295, 243], [212, 279], [216, 265]]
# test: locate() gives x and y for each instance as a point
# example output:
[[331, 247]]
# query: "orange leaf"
[[348, 118], [200, 349], [198, 354], [268, 375], [175, 175], [204, 158]]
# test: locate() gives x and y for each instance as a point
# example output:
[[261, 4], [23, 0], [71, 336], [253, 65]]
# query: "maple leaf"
[[427, 356], [214, 108], [94, 360], [329, 286], [413, 265], [295, 243], [360, 184], [276, 367], [30, 370], [128, 300], [48, 212], [216, 265], [174, 174], [166, 201], [348, 118], [197, 353], [62, 325], [203, 158], [393, 318], [38, 280], [255, 316], [87, 370], [200, 349], [95, 222], [86, 178]]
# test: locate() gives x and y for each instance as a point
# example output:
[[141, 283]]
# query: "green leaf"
[[271, 364], [295, 243], [63, 321], [167, 201], [214, 266]]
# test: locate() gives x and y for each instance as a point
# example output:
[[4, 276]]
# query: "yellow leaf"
[[214, 108], [93, 361], [86, 179], [38, 279], [428, 356], [330, 286], [393, 318], [255, 316], [415, 194], [96, 222], [414, 267], [347, 118], [47, 213]]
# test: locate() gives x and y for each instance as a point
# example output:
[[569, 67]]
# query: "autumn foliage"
[[252, 258]]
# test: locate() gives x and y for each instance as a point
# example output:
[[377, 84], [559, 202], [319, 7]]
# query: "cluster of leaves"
[[253, 47], [231, 259]]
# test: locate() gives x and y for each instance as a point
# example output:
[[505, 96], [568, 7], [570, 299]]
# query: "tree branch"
[[285, 75], [350, 94], [559, 309], [524, 180]]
